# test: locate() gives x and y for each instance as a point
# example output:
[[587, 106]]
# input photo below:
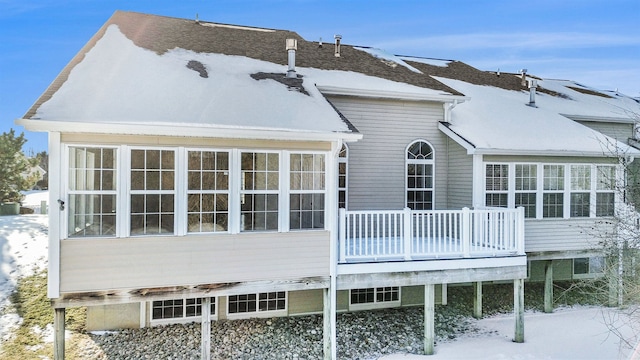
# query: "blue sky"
[[594, 42]]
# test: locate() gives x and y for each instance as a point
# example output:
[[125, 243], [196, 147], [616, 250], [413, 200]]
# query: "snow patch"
[[389, 59]]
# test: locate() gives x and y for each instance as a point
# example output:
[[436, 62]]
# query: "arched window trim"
[[430, 161]]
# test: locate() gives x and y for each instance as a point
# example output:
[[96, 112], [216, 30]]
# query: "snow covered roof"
[[166, 76], [144, 73]]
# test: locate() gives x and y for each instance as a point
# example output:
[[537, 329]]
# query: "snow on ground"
[[23, 244], [568, 333]]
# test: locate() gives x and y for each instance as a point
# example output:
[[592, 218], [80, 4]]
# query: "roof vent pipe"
[[291, 46], [533, 84], [523, 82], [338, 38]]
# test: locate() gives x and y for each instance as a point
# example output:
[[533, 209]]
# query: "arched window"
[[343, 158], [419, 170]]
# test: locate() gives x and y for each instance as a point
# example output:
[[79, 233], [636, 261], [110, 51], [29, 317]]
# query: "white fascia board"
[[159, 129], [604, 119], [458, 139], [398, 95], [602, 154]]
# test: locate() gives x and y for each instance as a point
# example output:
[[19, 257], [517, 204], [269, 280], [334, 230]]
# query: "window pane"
[[581, 177], [606, 177], [579, 205], [528, 201], [552, 205], [605, 204], [553, 177], [496, 200], [526, 177]]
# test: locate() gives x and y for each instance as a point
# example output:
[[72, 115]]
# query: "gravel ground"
[[361, 335]]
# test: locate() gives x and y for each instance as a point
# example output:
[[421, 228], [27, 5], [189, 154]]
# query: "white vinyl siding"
[[163, 261], [377, 162], [459, 188], [619, 131]]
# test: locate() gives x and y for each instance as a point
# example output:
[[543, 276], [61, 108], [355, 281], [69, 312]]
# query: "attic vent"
[[338, 38], [198, 67]]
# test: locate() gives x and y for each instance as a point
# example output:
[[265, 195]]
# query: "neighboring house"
[[199, 169], [36, 172]]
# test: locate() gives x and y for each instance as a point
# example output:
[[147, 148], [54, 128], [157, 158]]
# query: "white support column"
[[326, 324], [445, 297], [56, 215], [477, 300], [58, 335], [205, 332], [429, 319], [518, 309], [478, 181], [548, 286]]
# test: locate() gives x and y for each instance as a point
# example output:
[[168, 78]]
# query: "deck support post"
[[548, 286], [205, 332], [429, 319], [518, 309], [326, 324], [477, 300], [444, 297], [58, 335]]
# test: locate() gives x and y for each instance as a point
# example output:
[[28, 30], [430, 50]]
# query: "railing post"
[[407, 232], [466, 232], [342, 230], [520, 231]]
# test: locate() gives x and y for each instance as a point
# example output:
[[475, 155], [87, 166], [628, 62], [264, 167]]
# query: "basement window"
[[179, 310], [265, 304], [371, 298], [588, 267]]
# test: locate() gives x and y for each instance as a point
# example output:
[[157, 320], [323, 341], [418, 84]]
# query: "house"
[[207, 171]]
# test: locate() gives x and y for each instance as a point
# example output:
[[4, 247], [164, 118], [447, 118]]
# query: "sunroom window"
[[553, 191], [92, 191], [580, 190], [497, 185], [605, 190], [526, 186], [419, 165], [259, 193], [152, 191], [307, 191], [208, 191]]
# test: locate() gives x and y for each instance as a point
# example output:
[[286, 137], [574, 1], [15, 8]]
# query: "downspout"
[[447, 110], [333, 255]]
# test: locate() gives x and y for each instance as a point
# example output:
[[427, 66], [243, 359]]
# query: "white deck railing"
[[407, 235]]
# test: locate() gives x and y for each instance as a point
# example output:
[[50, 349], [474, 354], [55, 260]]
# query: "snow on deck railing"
[[435, 234]]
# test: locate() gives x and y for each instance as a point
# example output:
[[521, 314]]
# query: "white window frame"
[[322, 191], [123, 191], [175, 192], [431, 162], [184, 318], [259, 313], [376, 304], [227, 192], [67, 192], [565, 192], [278, 192], [510, 184]]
